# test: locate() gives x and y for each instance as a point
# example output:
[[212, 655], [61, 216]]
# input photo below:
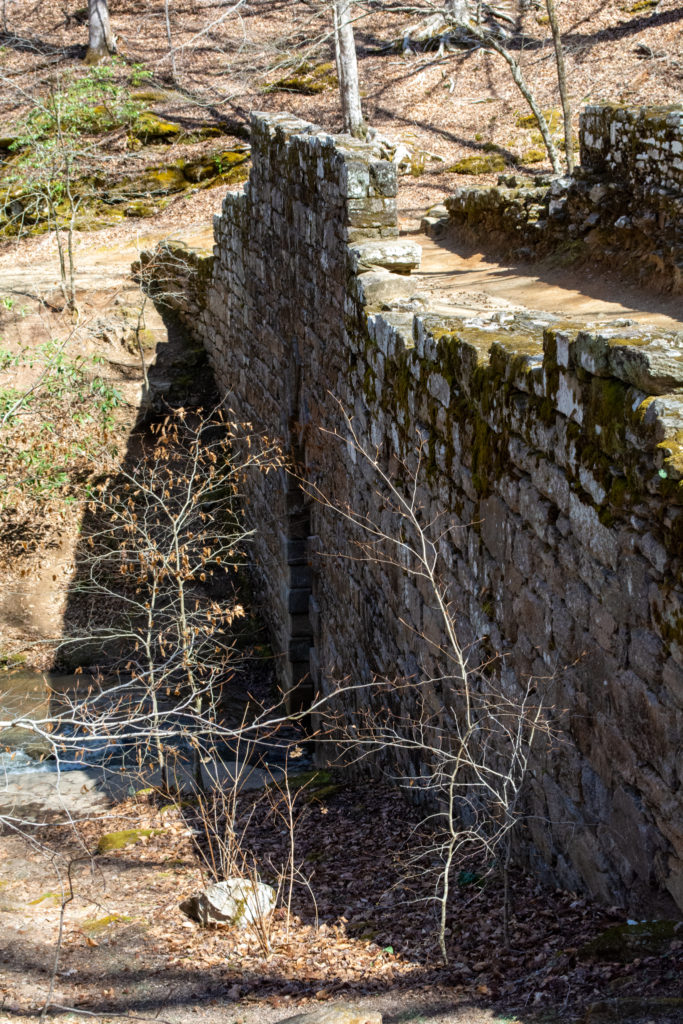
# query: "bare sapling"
[[460, 732], [159, 541]]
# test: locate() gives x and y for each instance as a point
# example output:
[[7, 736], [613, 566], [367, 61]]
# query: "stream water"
[[26, 694], [89, 772]]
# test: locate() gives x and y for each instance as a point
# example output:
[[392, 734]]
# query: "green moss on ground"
[[553, 119], [625, 942], [103, 204], [491, 163], [95, 925], [533, 156], [111, 841], [642, 5], [309, 80]]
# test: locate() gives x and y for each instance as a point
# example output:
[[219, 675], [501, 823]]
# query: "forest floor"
[[268, 55], [363, 926], [127, 949]]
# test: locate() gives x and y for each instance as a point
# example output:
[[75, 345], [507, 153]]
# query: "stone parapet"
[[639, 147]]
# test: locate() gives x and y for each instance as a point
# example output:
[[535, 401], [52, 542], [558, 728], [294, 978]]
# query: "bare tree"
[[155, 539], [562, 83], [347, 68], [468, 760], [101, 39], [456, 16], [167, 17]]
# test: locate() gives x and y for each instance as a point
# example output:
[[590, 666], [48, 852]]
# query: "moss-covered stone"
[[219, 164], [103, 203], [111, 841], [150, 128], [625, 942], [26, 740], [308, 80]]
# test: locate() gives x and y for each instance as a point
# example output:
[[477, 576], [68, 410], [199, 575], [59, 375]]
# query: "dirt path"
[[467, 279], [102, 263]]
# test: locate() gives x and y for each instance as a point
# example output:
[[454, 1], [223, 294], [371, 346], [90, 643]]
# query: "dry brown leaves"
[[451, 106], [375, 931]]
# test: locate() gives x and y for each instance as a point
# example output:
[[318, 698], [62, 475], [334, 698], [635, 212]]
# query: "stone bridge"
[[551, 451]]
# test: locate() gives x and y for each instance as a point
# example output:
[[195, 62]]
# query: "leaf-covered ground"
[[268, 55], [359, 929]]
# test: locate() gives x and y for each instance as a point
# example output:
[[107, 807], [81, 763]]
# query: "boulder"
[[236, 902], [338, 1013], [16, 737]]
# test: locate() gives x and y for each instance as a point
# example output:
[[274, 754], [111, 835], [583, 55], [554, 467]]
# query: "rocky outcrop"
[[235, 903]]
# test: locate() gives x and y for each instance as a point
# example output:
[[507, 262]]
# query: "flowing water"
[[70, 771]]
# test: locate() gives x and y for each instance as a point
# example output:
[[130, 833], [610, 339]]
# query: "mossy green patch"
[[111, 841], [642, 5], [165, 179], [222, 164], [11, 660], [317, 783], [93, 926], [143, 195], [149, 95], [150, 128], [606, 412], [625, 942], [491, 163], [553, 118], [55, 896], [308, 80], [533, 156]]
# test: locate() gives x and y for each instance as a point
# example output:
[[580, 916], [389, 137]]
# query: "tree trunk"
[[347, 69], [459, 11], [101, 41], [562, 82], [167, 14], [520, 82]]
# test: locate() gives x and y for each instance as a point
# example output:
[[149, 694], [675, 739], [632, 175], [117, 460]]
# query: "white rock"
[[236, 902]]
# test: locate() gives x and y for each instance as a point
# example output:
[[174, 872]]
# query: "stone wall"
[[622, 207], [640, 147], [555, 454]]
